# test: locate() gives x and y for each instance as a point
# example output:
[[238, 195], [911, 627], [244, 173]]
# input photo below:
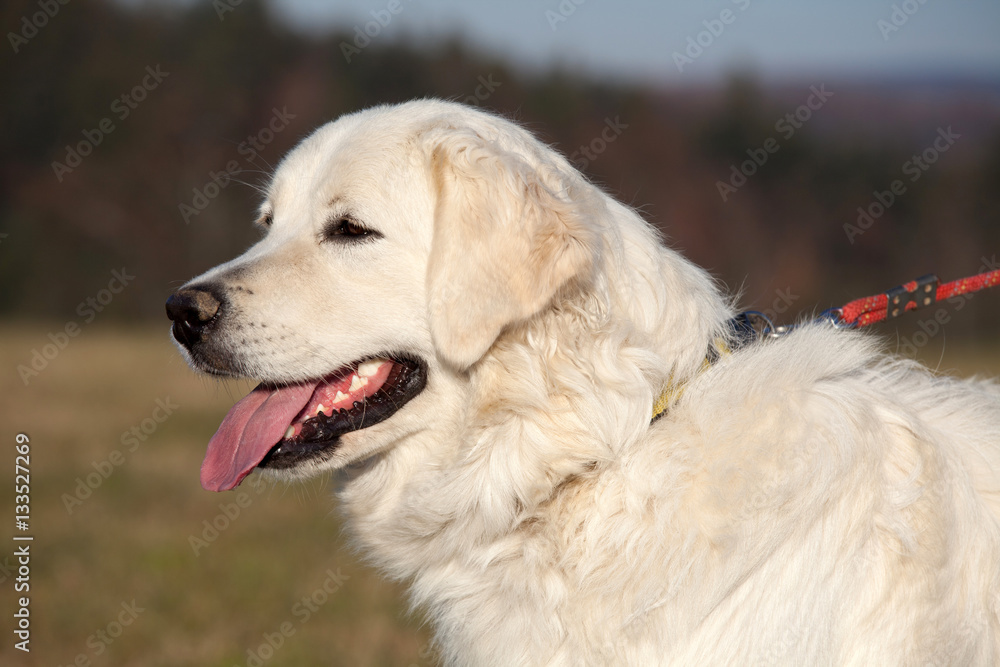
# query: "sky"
[[694, 41]]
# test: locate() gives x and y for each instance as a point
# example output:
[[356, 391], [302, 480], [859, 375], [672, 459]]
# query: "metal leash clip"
[[835, 316]]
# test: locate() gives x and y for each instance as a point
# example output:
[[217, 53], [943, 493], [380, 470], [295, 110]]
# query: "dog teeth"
[[290, 432], [341, 396], [369, 368], [320, 408], [357, 382]]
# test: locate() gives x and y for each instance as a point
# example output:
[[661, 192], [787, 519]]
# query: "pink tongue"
[[249, 431]]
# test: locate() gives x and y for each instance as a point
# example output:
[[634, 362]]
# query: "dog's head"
[[399, 244]]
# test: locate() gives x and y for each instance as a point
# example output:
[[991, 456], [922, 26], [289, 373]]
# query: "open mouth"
[[281, 427]]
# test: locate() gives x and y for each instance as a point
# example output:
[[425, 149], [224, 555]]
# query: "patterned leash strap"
[[918, 293], [751, 326]]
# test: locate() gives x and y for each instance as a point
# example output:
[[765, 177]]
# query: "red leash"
[[751, 325], [918, 293]]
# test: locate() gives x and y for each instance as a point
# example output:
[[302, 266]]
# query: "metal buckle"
[[835, 316], [751, 323], [919, 293]]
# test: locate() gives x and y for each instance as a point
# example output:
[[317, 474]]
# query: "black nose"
[[192, 310]]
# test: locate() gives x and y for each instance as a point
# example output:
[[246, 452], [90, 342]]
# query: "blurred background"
[[806, 153]]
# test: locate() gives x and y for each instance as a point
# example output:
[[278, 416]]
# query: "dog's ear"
[[508, 236]]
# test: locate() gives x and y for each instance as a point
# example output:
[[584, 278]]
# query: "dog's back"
[[853, 498]]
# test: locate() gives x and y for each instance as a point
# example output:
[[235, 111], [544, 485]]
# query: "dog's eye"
[[264, 221], [345, 229]]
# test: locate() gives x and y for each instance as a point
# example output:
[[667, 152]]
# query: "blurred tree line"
[[136, 138]]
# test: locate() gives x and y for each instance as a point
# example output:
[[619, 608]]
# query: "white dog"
[[449, 315]]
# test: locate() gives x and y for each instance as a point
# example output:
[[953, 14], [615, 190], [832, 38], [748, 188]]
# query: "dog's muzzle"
[[193, 310]]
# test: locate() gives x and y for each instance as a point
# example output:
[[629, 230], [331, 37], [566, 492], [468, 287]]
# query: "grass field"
[[130, 539], [120, 549]]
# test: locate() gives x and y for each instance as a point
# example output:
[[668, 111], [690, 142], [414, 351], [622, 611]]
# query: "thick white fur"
[[808, 501]]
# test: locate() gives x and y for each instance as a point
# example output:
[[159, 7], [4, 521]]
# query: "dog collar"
[[674, 390], [748, 327]]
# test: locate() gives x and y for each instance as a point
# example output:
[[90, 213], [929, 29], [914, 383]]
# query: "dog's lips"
[[340, 392], [279, 426]]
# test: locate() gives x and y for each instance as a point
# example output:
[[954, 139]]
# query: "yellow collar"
[[674, 390]]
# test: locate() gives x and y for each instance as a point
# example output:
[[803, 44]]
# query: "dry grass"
[[130, 539]]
